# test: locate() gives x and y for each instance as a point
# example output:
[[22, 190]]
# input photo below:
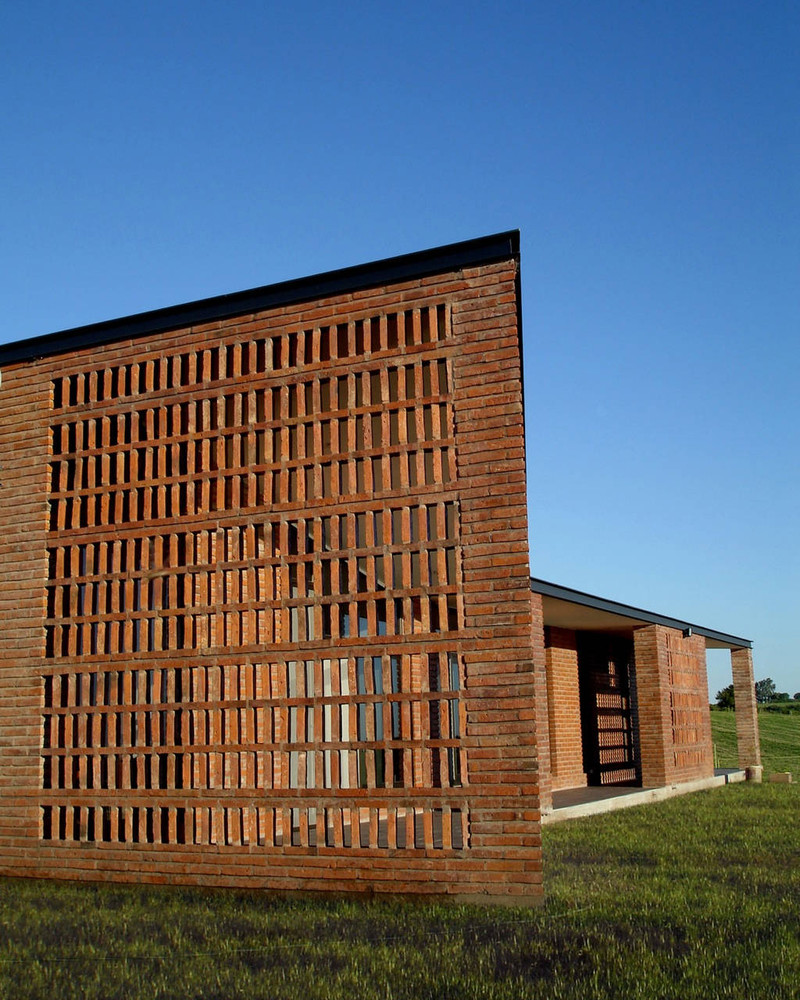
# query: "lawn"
[[780, 741], [695, 897]]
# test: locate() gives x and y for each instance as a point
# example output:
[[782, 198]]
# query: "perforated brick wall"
[[265, 598], [672, 691]]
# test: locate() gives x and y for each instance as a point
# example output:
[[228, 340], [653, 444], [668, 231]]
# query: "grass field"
[[696, 897], [780, 741]]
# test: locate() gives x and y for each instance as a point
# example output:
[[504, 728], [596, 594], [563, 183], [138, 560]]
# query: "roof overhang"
[[564, 607]]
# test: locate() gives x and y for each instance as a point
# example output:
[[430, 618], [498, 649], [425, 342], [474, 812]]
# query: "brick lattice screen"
[[282, 631]]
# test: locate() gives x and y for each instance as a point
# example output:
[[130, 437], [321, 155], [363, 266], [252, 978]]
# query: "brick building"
[[266, 610]]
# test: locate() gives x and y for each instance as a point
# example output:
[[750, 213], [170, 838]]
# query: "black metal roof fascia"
[[469, 253], [613, 607]]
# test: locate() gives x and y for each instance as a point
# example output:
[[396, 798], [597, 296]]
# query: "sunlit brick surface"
[[674, 721], [265, 600]]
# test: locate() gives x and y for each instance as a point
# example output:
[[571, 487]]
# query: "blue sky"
[[649, 152]]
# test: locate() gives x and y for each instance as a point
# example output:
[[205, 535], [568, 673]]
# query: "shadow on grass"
[[696, 897]]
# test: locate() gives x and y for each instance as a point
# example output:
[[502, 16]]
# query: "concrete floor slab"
[[574, 803]]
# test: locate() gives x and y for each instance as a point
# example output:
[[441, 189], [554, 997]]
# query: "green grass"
[[696, 897], [780, 741]]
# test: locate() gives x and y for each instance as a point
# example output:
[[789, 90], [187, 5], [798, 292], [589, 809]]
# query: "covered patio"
[[626, 708]]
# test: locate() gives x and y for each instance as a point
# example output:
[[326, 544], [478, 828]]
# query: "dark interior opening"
[[609, 728]]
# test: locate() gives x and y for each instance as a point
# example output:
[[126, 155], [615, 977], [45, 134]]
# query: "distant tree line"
[[765, 695]]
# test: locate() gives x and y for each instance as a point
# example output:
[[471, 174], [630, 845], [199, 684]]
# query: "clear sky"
[[649, 152]]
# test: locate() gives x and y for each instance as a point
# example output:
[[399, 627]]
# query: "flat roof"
[[469, 253], [564, 607]]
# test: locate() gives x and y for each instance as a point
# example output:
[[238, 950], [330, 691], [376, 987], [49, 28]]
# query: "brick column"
[[541, 705], [744, 691], [564, 710], [674, 721], [24, 453], [655, 719]]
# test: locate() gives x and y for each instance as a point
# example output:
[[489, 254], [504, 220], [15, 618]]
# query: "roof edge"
[[422, 263], [650, 617]]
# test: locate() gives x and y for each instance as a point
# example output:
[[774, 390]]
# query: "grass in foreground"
[[697, 897], [780, 741]]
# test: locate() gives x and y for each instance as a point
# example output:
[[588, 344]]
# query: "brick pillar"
[[655, 718], [24, 410], [744, 691], [541, 705], [564, 709]]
